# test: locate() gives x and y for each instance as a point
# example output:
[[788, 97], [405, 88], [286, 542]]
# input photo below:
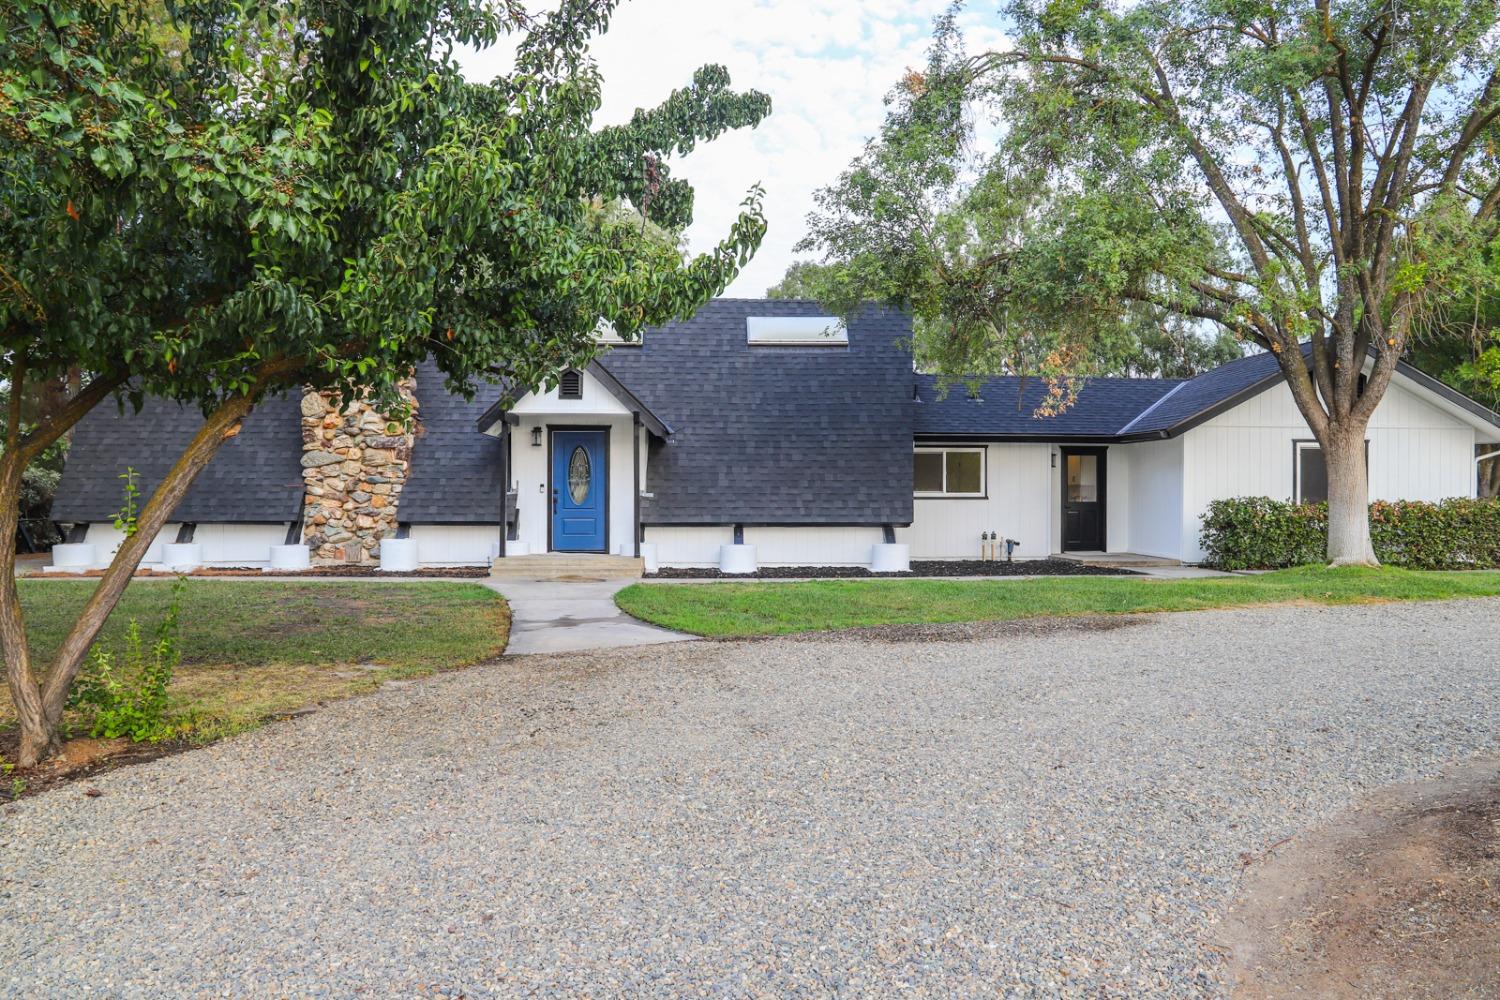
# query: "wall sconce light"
[[536, 437]]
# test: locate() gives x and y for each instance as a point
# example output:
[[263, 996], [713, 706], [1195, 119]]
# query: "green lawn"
[[254, 649], [743, 609]]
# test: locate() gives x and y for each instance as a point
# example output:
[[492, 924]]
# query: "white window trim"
[[984, 474]]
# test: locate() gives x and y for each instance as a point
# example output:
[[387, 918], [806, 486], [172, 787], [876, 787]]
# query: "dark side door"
[[1083, 499]]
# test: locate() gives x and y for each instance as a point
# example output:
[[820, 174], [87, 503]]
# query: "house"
[[764, 423]]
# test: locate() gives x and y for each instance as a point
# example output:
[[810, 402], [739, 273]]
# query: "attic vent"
[[796, 331], [570, 386]]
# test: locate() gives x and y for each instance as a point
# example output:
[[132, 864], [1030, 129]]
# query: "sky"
[[827, 65]]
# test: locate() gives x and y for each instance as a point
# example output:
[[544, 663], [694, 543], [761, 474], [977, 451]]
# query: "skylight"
[[796, 331]]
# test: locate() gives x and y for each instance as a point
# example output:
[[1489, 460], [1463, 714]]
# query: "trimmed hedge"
[[1261, 533]]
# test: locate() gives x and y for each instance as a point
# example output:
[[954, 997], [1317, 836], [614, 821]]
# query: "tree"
[[263, 194], [1147, 343], [39, 480], [805, 279], [1313, 177], [1462, 348]]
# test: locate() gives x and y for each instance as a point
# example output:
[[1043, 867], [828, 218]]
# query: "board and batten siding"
[[689, 545], [224, 545], [1417, 452], [1017, 504], [1155, 498], [107, 539], [456, 544], [775, 545]]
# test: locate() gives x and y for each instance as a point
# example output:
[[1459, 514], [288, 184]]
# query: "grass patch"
[[253, 650], [747, 609]]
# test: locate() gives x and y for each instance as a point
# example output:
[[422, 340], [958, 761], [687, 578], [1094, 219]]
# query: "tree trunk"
[[1489, 476], [1348, 498], [221, 424], [25, 693]]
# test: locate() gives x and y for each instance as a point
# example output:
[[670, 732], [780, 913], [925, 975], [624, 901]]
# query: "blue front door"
[[580, 494]]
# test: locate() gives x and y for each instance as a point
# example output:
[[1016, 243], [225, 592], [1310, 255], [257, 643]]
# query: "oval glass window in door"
[[578, 475]]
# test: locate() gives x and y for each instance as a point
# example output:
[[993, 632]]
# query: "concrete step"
[[567, 565], [1118, 560]]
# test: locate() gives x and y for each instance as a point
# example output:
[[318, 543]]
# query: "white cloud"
[[827, 64]]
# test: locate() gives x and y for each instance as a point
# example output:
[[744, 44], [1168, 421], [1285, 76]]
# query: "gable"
[[597, 401], [1408, 405], [768, 433]]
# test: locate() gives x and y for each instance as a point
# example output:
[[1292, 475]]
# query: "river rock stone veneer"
[[355, 463]]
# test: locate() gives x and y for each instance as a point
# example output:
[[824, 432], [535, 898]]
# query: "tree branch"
[[59, 423], [217, 427], [1477, 121]]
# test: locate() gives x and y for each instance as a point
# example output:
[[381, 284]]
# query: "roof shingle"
[[457, 473], [775, 435], [255, 477], [1006, 408]]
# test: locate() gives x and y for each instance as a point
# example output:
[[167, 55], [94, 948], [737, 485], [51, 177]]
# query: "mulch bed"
[[80, 760], [84, 757], [436, 572], [919, 568]]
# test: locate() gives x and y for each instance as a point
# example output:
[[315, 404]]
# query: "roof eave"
[[649, 420], [1040, 437], [1450, 394], [500, 413]]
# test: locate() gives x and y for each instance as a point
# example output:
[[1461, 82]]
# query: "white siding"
[[596, 401], [780, 545], [1417, 452], [456, 544], [1118, 499], [239, 544], [223, 544], [812, 546], [1018, 505], [1155, 498], [106, 539], [692, 546]]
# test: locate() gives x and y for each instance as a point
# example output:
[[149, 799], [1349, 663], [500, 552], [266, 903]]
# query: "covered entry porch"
[[576, 460]]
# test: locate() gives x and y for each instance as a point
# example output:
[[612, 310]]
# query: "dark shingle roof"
[[1205, 393], [759, 435], [775, 435], [457, 473], [1006, 409], [255, 477]]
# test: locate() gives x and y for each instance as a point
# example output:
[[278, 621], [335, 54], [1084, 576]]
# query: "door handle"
[[554, 499]]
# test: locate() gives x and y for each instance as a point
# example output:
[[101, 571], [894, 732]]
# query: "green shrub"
[[126, 693], [1453, 534], [1261, 533]]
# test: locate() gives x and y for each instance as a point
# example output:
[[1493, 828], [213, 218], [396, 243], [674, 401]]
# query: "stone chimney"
[[355, 463]]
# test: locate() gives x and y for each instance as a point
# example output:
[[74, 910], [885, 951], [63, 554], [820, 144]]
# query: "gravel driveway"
[[1054, 810]]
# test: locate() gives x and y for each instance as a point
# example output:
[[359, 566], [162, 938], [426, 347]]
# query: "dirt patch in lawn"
[[1398, 898]]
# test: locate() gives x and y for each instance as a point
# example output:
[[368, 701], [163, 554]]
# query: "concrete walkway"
[[565, 617]]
